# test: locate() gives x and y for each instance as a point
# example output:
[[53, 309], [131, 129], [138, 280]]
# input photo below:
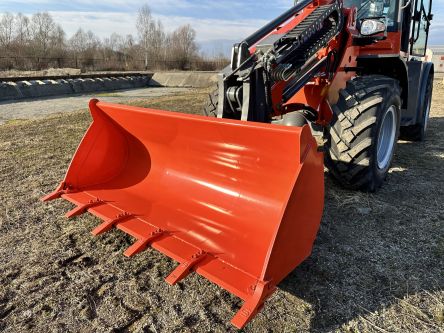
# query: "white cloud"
[[163, 4], [211, 19], [215, 22], [103, 24]]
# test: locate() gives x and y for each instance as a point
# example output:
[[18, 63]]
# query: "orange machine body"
[[322, 92]]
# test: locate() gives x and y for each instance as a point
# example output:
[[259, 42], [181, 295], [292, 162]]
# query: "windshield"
[[375, 8]]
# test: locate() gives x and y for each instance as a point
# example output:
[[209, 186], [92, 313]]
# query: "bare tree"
[[129, 42], [83, 42], [92, 41], [183, 44], [145, 26], [116, 42], [58, 40], [42, 27], [158, 40], [41, 39], [116, 50], [78, 42], [22, 29], [7, 30]]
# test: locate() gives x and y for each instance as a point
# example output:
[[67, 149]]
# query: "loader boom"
[[270, 66]]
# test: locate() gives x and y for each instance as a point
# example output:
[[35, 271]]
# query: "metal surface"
[[311, 35], [300, 81], [264, 31], [216, 195], [387, 138], [428, 107]]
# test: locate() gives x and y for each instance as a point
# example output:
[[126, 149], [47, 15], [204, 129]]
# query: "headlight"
[[372, 27]]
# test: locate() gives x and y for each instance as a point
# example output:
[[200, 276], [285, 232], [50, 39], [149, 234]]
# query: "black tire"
[[353, 136], [418, 132], [210, 107]]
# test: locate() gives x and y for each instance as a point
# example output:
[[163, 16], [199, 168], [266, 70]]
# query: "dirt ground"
[[377, 265], [44, 107]]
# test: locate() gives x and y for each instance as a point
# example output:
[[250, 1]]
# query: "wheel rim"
[[386, 140], [428, 108]]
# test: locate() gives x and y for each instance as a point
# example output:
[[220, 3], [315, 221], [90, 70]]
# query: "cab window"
[[375, 8]]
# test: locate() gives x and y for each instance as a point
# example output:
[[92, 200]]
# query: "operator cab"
[[412, 18], [393, 36]]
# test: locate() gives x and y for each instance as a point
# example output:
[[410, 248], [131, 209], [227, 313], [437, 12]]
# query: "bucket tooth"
[[262, 291], [83, 208], [143, 243], [185, 268], [108, 225]]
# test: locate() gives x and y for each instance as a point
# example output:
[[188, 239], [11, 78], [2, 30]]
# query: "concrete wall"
[[184, 79], [48, 88]]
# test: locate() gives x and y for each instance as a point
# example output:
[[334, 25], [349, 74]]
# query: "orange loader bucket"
[[239, 203]]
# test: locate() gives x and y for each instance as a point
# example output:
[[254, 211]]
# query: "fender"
[[428, 72], [395, 67]]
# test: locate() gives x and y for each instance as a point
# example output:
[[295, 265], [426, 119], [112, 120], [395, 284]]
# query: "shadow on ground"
[[374, 249]]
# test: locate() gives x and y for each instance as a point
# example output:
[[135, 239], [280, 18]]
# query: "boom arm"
[[286, 52]]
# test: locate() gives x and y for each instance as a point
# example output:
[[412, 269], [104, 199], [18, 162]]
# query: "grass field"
[[377, 265]]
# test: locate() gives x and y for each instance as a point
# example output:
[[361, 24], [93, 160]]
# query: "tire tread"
[[351, 133]]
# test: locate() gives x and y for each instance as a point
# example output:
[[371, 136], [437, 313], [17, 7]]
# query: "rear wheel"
[[418, 132], [210, 107], [364, 132]]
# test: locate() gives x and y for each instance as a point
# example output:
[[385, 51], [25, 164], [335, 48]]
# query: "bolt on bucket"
[[239, 203]]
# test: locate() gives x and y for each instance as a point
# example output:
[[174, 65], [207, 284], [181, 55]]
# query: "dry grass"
[[189, 102], [377, 266]]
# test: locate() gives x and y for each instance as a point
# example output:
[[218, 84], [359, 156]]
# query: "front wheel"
[[363, 135]]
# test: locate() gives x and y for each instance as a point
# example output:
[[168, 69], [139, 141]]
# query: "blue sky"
[[218, 23]]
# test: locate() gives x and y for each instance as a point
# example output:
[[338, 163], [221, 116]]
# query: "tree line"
[[38, 42]]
